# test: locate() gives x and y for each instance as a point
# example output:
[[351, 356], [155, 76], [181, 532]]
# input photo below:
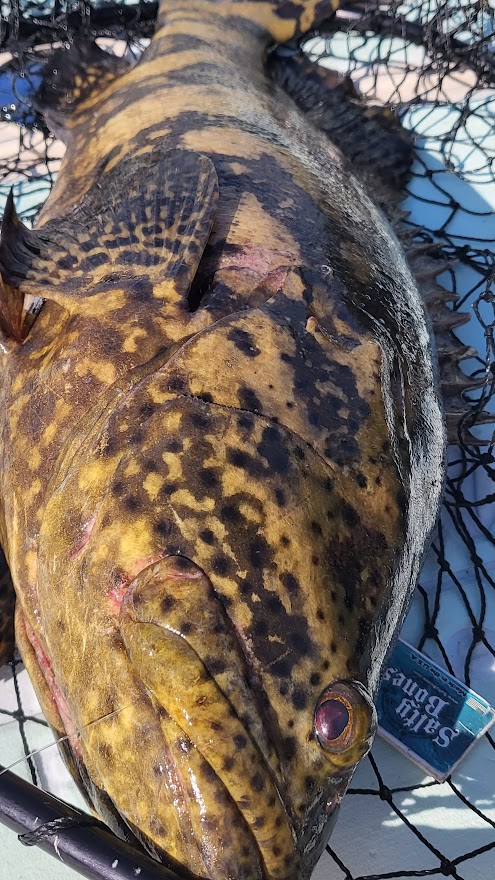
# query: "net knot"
[[431, 632], [447, 868], [385, 794], [478, 633]]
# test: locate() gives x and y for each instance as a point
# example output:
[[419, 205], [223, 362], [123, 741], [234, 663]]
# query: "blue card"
[[427, 714]]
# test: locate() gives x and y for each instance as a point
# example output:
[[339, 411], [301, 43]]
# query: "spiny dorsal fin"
[[139, 232], [16, 239], [427, 262], [71, 76]]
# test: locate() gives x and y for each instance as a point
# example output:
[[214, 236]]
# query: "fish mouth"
[[183, 646]]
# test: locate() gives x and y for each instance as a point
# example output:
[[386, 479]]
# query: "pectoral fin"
[[138, 235]]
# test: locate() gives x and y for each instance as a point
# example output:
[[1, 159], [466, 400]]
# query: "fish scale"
[[223, 447]]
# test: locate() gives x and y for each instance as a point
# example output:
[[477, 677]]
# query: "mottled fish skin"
[[217, 484]]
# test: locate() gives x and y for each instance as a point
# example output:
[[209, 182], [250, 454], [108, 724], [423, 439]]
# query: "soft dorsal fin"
[[139, 233], [70, 77]]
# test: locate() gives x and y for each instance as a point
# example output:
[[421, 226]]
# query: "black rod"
[[88, 845]]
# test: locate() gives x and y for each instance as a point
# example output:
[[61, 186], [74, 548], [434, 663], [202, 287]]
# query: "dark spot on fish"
[[272, 450], [186, 628], [299, 698], [208, 772], [150, 466], [285, 541], [132, 503], [276, 849], [228, 763], [361, 480], [290, 723], [261, 628], [237, 458], [333, 595], [316, 528], [206, 397], [207, 536], [333, 647], [320, 615], [245, 421], [147, 409], [173, 445], [315, 560], [244, 342], [274, 605], [230, 513], [158, 769], [208, 477], [118, 488], [137, 437], [216, 666], [240, 741], [281, 668], [315, 679], [248, 400], [167, 604], [301, 643], [299, 453], [349, 665], [329, 484], [163, 528], [199, 420], [257, 782], [326, 664], [258, 822], [289, 747], [378, 480], [280, 496], [289, 404], [220, 565], [290, 582], [259, 552], [349, 515]]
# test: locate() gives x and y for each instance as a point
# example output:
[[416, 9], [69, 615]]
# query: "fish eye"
[[345, 721]]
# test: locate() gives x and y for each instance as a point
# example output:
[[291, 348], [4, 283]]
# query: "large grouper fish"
[[222, 446]]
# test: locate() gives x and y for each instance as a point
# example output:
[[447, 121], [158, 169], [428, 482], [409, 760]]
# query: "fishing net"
[[434, 61]]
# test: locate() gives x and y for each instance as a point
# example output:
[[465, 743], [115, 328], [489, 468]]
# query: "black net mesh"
[[434, 62]]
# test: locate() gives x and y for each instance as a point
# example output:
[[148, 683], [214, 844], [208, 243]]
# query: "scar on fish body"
[[222, 441]]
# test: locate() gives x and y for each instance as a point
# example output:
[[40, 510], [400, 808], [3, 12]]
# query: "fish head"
[[207, 596]]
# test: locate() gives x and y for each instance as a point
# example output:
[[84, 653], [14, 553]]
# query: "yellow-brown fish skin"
[[217, 484]]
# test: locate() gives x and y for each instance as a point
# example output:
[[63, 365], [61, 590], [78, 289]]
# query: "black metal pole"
[[88, 845]]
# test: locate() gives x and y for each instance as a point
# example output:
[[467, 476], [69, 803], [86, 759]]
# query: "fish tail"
[[282, 19]]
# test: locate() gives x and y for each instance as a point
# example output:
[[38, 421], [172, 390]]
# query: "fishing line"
[[55, 742]]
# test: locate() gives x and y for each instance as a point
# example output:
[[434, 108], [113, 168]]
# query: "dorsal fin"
[[381, 153], [138, 234], [70, 77], [13, 323]]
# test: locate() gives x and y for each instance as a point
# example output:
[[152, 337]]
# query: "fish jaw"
[[182, 645], [187, 654]]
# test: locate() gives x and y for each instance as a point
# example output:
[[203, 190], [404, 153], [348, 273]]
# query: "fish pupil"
[[332, 718]]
